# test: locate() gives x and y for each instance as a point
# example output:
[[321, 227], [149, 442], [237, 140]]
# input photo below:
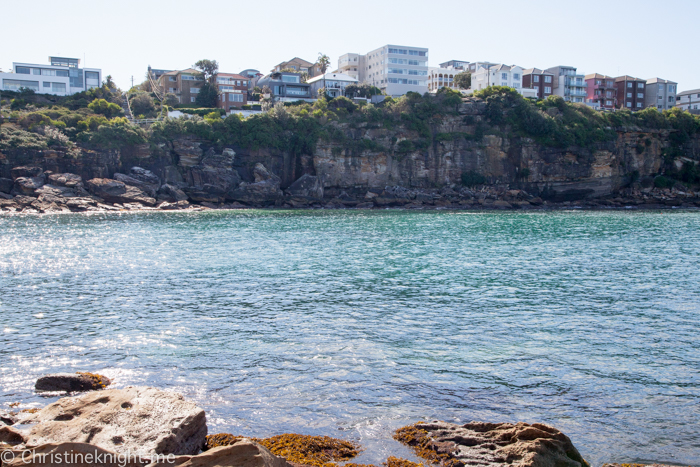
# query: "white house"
[[334, 83], [501, 75], [63, 77], [689, 100]]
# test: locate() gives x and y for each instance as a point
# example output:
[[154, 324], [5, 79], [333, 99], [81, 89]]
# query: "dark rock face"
[[26, 171], [146, 176], [27, 185], [71, 382], [265, 190], [148, 189], [210, 180], [497, 444], [307, 186], [115, 191], [66, 179], [171, 193], [6, 185]]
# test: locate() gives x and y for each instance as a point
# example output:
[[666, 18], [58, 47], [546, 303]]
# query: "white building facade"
[[395, 69], [660, 93], [689, 100], [335, 83], [62, 77], [442, 78]]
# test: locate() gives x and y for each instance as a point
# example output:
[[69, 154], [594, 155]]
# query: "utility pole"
[[132, 81]]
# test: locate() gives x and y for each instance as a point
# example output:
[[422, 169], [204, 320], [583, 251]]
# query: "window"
[[417, 52], [47, 84], [598, 82], [63, 73], [535, 79], [23, 70], [504, 75], [91, 75], [193, 99], [670, 98], [639, 105], [504, 84], [225, 88], [671, 88], [172, 89], [245, 83], [608, 103], [398, 51], [290, 78], [58, 87], [609, 83], [516, 76], [194, 90], [398, 61], [188, 78], [15, 84], [629, 85], [398, 71], [516, 85], [640, 95], [45, 72], [547, 79], [235, 97], [629, 104], [608, 93], [629, 94], [547, 90], [296, 91], [418, 72], [640, 85]]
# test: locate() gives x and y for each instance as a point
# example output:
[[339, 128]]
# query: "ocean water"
[[353, 323]]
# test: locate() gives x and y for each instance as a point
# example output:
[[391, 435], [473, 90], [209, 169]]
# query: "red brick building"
[[542, 81], [233, 90], [601, 90], [631, 93]]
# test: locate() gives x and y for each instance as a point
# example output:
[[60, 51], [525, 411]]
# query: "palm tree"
[[323, 61]]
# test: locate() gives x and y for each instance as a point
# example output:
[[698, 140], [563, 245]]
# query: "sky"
[[640, 38]]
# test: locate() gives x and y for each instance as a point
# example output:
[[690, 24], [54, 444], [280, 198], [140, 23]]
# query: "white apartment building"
[[442, 77], [569, 84], [63, 77], [395, 69], [689, 100], [501, 75], [660, 93], [335, 83]]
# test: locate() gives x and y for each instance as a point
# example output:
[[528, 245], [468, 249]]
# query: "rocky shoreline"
[[140, 426], [34, 191]]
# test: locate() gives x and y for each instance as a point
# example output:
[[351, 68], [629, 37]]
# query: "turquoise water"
[[353, 323]]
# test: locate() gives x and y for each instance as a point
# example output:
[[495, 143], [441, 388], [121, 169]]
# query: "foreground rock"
[[264, 191], [134, 419], [71, 382], [11, 436], [243, 452], [115, 191], [491, 444], [70, 455]]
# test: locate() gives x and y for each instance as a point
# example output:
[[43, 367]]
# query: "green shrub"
[[405, 146], [663, 182]]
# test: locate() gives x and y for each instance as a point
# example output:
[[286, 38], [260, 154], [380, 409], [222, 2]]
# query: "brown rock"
[[242, 453], [11, 436], [72, 455], [133, 419], [72, 382], [115, 191], [492, 444]]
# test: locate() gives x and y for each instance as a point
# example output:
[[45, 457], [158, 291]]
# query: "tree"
[[208, 95], [208, 68], [102, 107], [142, 104], [323, 61], [463, 80], [362, 90], [109, 83], [170, 100]]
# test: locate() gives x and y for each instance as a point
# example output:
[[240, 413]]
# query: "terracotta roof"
[[627, 78], [659, 80], [597, 76], [295, 58]]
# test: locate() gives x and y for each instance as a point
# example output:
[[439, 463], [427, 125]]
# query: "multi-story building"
[[286, 87], [568, 84], [252, 76], [660, 93], [300, 65], [335, 83], [539, 80], [498, 75], [631, 93], [350, 64], [442, 77], [62, 77], [462, 65], [185, 84], [395, 69], [474, 66], [156, 74], [233, 90], [689, 100], [601, 91]]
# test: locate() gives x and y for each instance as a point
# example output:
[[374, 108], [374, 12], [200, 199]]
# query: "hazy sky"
[[642, 38]]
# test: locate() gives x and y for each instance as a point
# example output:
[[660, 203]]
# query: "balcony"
[[576, 93]]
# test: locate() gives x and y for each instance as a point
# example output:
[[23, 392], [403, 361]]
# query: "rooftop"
[[335, 76]]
